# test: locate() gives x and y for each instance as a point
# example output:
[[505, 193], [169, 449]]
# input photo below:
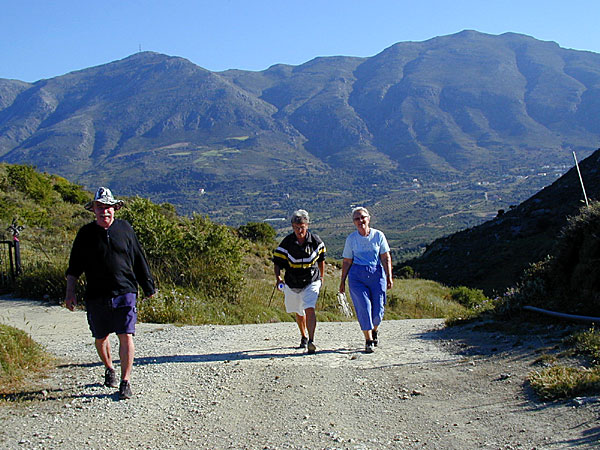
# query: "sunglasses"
[[360, 218]]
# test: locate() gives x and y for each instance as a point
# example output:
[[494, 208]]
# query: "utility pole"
[[581, 181]]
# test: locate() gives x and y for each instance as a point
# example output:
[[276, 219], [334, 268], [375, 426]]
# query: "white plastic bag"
[[343, 304]]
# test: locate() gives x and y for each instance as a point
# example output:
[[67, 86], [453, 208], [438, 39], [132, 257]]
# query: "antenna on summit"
[[139, 48]]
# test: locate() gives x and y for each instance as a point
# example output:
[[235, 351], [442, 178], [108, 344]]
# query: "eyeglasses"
[[360, 218], [104, 206]]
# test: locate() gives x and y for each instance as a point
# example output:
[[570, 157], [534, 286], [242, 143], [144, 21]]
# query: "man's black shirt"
[[112, 260]]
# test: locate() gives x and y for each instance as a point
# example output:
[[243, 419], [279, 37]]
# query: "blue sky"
[[44, 38]]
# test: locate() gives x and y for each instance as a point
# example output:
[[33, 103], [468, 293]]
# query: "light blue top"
[[365, 250]]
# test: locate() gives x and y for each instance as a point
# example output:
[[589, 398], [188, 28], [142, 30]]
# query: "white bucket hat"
[[104, 196]]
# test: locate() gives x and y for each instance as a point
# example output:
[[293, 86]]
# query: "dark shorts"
[[114, 315]]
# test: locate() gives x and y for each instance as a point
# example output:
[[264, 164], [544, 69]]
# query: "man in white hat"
[[108, 252]]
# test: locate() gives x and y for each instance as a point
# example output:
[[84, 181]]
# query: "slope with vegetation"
[[492, 256], [565, 284]]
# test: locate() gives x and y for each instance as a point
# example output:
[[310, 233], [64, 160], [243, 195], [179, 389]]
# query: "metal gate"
[[10, 258], [10, 263]]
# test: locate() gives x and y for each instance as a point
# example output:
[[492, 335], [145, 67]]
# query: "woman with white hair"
[[302, 255], [368, 266]]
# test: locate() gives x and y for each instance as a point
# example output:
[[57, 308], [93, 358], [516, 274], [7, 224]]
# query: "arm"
[[70, 297], [277, 271], [141, 268], [321, 265], [345, 268], [386, 260], [75, 269]]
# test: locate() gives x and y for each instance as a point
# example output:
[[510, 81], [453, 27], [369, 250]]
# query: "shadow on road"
[[264, 353]]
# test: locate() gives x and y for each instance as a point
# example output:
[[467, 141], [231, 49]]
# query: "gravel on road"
[[248, 387]]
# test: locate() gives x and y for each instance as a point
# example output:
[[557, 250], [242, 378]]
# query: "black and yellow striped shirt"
[[300, 261]]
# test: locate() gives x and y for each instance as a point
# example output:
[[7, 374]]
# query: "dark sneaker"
[[312, 348], [110, 378], [303, 342], [369, 347], [375, 340], [124, 390]]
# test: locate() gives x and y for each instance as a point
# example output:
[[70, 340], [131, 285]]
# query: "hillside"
[[493, 255], [451, 112]]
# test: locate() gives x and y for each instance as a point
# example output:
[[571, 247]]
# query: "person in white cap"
[[108, 252]]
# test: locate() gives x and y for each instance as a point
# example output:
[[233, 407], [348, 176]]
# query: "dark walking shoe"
[[124, 390], [303, 342], [312, 348], [375, 340], [369, 347], [110, 378]]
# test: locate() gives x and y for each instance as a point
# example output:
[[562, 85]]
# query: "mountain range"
[[392, 131]]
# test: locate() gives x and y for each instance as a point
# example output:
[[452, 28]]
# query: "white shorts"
[[297, 302]]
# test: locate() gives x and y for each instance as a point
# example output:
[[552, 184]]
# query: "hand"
[[390, 283], [342, 289]]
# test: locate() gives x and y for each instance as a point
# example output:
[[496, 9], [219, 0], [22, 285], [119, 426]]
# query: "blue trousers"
[[367, 289]]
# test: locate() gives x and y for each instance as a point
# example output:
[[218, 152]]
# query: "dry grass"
[[259, 302], [564, 381], [21, 360], [559, 381]]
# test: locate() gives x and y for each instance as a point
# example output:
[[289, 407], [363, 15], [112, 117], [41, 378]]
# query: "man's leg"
[[293, 303], [126, 352], [301, 321], [103, 349], [311, 322]]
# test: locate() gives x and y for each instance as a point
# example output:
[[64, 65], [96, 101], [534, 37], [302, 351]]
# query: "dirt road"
[[247, 387]]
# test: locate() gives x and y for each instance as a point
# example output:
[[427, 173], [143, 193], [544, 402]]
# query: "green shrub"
[[69, 192], [258, 232], [568, 280], [468, 297], [26, 179], [405, 272], [587, 343], [214, 255], [534, 288], [575, 273], [156, 227], [169, 306], [189, 252]]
